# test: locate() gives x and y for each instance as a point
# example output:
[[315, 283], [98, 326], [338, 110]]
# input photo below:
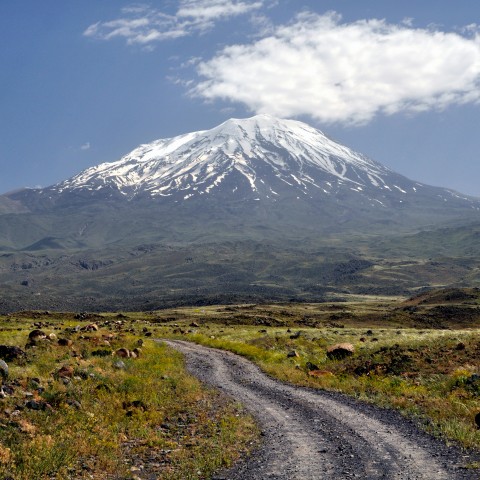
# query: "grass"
[[150, 417], [107, 422], [428, 374]]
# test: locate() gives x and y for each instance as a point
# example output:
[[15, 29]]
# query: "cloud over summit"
[[340, 72]]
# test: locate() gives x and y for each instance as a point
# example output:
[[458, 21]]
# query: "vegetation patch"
[[67, 411], [430, 374]]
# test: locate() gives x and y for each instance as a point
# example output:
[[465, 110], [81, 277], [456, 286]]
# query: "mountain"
[[260, 158], [253, 209]]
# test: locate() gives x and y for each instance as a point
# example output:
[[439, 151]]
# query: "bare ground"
[[310, 434]]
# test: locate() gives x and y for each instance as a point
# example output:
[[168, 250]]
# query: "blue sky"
[[86, 82]]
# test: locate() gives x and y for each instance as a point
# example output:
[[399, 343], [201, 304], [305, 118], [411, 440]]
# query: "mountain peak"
[[244, 156]]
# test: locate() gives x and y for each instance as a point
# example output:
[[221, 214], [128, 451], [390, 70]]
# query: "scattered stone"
[[92, 327], [119, 365], [52, 336], [363, 339], [340, 350], [36, 405], [311, 366], [296, 335], [148, 334], [65, 372], [477, 419], [122, 352], [9, 353], [460, 346], [194, 325], [3, 370], [374, 339], [137, 351], [293, 354], [140, 342], [369, 333], [74, 403], [36, 335]]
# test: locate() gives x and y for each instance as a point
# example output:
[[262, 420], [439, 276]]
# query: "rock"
[[363, 339], [320, 373], [295, 335], [311, 366], [65, 342], [52, 336], [3, 370], [148, 334], [10, 352], [140, 342], [36, 405], [123, 352], [340, 350], [65, 372], [36, 335], [460, 346], [293, 354], [194, 325], [92, 327], [119, 365], [477, 419]]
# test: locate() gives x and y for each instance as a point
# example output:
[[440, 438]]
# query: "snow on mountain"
[[260, 156]]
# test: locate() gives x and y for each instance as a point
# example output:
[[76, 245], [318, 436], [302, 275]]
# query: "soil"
[[310, 434]]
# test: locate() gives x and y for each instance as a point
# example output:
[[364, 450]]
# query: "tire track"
[[311, 434]]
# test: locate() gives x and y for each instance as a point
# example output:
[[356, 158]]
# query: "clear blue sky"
[[83, 82]]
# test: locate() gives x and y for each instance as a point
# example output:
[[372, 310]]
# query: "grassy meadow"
[[78, 412], [76, 407]]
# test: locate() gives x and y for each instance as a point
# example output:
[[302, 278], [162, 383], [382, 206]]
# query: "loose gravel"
[[311, 434]]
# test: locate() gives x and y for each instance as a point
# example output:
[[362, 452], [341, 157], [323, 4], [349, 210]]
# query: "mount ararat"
[[253, 208]]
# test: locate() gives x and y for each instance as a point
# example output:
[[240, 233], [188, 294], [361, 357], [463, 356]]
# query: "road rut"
[[310, 434]]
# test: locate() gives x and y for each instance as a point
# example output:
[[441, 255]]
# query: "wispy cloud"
[[345, 72], [143, 25], [85, 146]]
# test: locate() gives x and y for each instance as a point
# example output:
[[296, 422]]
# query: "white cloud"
[[143, 25], [85, 146], [345, 72]]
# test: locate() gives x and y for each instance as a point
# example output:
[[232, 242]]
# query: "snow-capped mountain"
[[261, 173], [260, 157]]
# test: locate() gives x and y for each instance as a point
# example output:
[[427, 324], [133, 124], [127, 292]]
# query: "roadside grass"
[[110, 417], [431, 375]]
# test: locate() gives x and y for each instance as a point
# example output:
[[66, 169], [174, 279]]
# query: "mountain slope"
[[253, 178], [253, 209], [249, 158]]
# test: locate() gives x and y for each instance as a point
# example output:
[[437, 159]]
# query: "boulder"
[[3, 370], [65, 342], [36, 335], [119, 365], [123, 352], [293, 354], [65, 372], [340, 350], [137, 351], [311, 366], [11, 352]]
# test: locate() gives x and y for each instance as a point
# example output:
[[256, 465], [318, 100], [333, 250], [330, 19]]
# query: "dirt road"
[[317, 435]]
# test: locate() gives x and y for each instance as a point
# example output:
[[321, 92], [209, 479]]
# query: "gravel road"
[[311, 434]]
